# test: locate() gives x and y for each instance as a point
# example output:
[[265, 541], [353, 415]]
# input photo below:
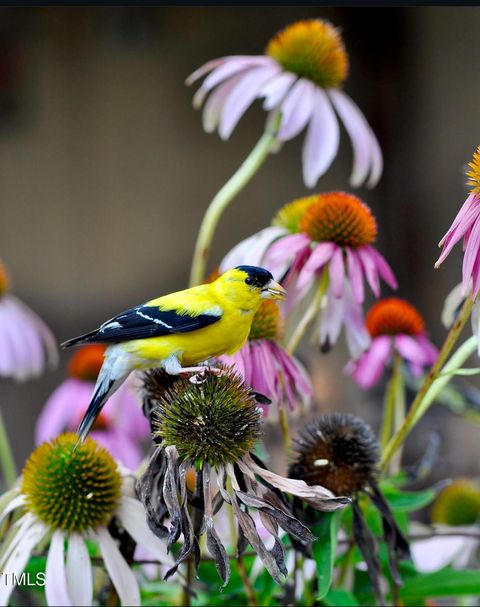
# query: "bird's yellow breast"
[[223, 337]]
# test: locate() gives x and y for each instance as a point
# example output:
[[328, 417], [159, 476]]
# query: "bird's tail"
[[104, 388]]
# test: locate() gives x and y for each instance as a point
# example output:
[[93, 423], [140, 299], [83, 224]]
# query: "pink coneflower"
[[120, 427], [300, 75], [466, 225], [394, 326], [325, 239], [264, 364], [27, 345]]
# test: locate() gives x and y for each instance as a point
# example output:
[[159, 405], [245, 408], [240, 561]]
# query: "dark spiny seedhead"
[[339, 451], [215, 421]]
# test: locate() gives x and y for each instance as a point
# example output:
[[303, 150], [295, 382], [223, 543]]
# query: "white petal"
[[18, 560], [215, 104], [79, 571], [132, 516], [55, 574], [275, 89], [321, 142], [13, 504], [251, 250], [120, 573], [296, 109]]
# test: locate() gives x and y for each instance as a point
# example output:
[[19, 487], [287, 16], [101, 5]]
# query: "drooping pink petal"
[[471, 254], [371, 365], [242, 97], [331, 320], [205, 68], [251, 251], [66, 404], [276, 89], [223, 72], [430, 351], [296, 109], [336, 272], [293, 371], [56, 591], [285, 249], [259, 381], [355, 275], [320, 255], [120, 445], [370, 268], [213, 108], [460, 227], [368, 157], [410, 349], [321, 143], [383, 268], [358, 337]]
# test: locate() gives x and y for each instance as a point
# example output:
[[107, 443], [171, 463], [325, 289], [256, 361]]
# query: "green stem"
[[417, 409], [389, 405], [225, 195], [7, 462], [309, 316]]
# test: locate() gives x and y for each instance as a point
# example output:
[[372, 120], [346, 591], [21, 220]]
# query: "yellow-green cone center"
[[458, 504], [311, 49], [71, 487], [267, 322]]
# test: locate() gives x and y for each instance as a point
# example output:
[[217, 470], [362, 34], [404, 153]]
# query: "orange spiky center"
[[474, 173], [4, 279], [87, 362], [340, 218], [71, 486], [267, 322], [311, 49], [394, 316]]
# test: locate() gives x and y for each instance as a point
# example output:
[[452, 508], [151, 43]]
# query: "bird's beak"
[[274, 291]]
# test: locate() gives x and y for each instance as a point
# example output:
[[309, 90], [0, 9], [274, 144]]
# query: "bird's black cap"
[[260, 276]]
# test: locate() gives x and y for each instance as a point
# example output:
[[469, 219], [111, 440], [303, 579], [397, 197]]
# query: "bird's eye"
[[249, 281]]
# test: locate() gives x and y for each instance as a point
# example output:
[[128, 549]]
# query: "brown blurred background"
[[105, 171]]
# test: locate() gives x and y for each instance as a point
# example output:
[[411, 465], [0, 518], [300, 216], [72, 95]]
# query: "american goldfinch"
[[178, 330]]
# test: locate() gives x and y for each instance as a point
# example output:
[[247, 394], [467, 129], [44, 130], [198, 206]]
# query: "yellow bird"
[[178, 330]]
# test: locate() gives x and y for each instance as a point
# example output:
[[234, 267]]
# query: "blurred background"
[[105, 170]]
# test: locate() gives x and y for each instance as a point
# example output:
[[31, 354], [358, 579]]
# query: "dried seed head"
[[339, 451], [216, 421]]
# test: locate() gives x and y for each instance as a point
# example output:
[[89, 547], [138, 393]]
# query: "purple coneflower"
[[27, 345], [323, 241], [466, 225], [120, 426], [71, 493], [395, 326], [299, 76], [265, 366]]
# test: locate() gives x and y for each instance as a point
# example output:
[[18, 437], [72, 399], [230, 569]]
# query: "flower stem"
[[7, 462], [309, 316], [389, 406], [225, 195], [417, 409], [249, 591], [282, 418]]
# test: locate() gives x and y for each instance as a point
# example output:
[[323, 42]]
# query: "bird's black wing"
[[142, 322]]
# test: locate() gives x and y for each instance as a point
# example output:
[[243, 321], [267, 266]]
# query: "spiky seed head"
[[87, 361], [215, 421], [339, 451], [290, 215], [311, 49], [70, 486], [457, 504], [394, 316]]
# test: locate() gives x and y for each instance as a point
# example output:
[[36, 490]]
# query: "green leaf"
[[342, 598], [407, 501], [464, 371], [445, 583], [324, 549]]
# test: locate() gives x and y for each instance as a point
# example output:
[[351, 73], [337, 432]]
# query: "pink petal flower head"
[[394, 325], [264, 364], [466, 225], [299, 76], [27, 346], [119, 428]]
